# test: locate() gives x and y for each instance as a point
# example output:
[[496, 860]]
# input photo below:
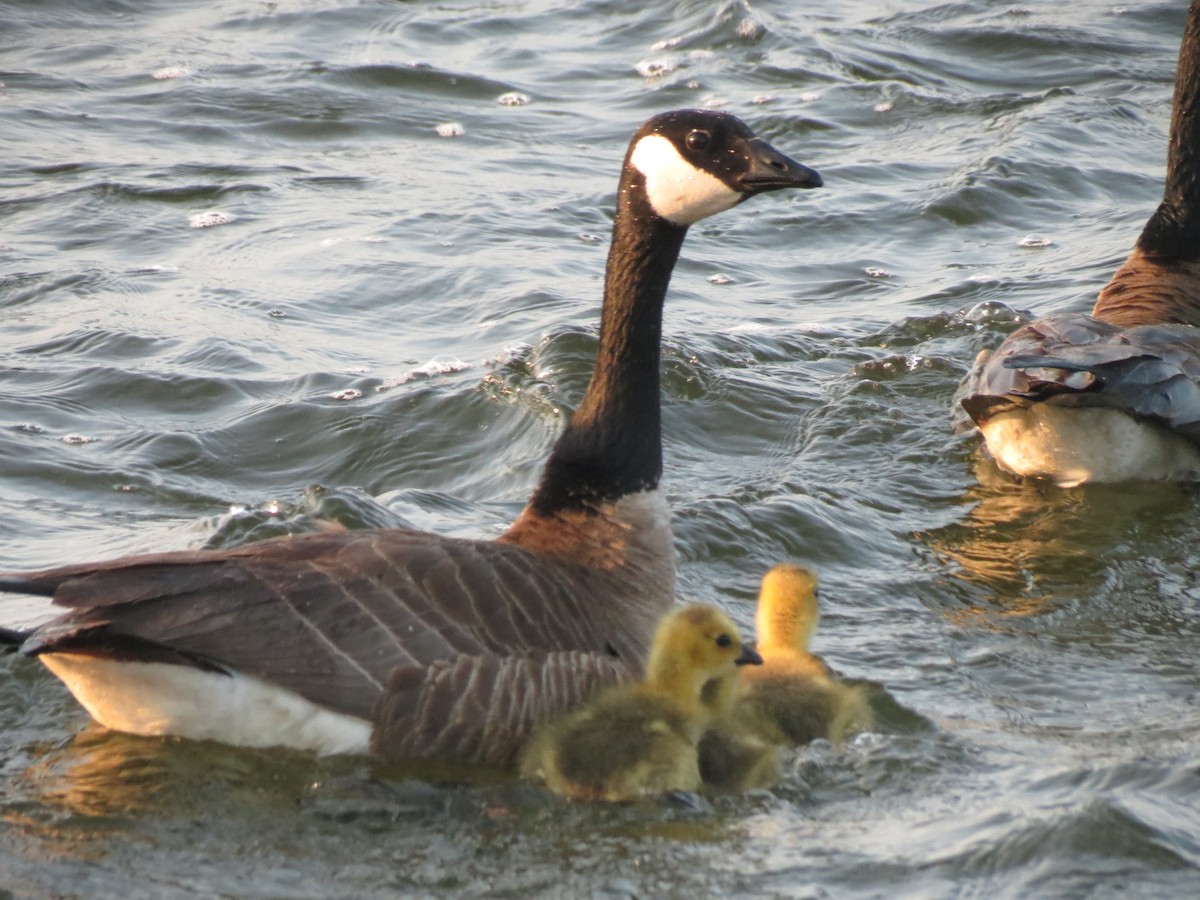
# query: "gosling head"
[[693, 163], [787, 608], [693, 645]]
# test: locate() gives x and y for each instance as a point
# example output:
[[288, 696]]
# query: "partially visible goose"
[[409, 644], [793, 698], [640, 740], [1114, 395]]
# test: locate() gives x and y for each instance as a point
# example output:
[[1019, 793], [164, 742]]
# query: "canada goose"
[[792, 698], [408, 644], [637, 740], [1114, 395]]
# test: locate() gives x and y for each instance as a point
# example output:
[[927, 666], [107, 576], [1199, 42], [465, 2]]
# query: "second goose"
[[1114, 395]]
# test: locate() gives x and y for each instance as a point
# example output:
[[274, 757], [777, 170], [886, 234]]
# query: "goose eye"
[[724, 640], [696, 140]]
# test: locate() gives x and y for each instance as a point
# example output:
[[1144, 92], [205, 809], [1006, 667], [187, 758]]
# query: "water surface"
[[384, 325]]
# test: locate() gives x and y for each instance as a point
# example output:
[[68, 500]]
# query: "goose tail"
[[16, 584], [11, 639]]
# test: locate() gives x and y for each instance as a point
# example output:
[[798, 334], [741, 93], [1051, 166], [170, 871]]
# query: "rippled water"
[[385, 325]]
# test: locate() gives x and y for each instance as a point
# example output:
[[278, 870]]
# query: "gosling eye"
[[697, 140], [724, 640]]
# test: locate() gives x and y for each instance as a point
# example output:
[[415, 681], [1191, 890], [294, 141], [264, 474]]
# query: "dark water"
[[392, 325]]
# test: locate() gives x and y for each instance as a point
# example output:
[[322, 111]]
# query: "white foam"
[[210, 219], [1034, 242], [439, 365], [654, 68]]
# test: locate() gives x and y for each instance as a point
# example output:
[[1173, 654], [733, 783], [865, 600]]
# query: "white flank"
[[647, 514], [1077, 445], [650, 553], [677, 190], [160, 699]]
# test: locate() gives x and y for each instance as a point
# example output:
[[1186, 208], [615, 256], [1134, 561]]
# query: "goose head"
[[688, 164], [787, 609]]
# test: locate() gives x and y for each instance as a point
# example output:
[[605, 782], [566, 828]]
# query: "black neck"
[[1173, 232], [613, 446]]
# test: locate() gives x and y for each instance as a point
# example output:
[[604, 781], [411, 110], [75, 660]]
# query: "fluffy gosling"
[[639, 740], [733, 759], [792, 698]]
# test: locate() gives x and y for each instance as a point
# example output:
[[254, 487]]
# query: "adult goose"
[[1114, 395], [409, 644]]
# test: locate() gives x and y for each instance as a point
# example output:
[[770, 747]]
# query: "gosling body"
[[793, 698], [641, 740], [732, 757]]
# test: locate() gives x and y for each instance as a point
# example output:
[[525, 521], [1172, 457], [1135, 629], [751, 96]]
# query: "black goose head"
[[691, 163]]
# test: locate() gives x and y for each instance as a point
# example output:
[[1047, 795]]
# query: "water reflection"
[[102, 774], [1025, 548]]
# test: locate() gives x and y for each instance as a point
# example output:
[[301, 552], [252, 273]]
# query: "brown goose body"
[[409, 644], [417, 637], [1113, 395]]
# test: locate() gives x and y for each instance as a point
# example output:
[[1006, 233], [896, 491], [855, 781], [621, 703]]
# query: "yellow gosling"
[[640, 739], [786, 619], [793, 698], [731, 758]]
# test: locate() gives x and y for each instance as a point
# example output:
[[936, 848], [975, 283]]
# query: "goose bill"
[[749, 657], [771, 170]]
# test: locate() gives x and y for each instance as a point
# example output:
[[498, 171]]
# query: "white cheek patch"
[[677, 190]]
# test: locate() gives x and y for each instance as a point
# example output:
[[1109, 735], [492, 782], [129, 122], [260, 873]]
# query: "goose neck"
[[680, 681], [613, 445], [1173, 232]]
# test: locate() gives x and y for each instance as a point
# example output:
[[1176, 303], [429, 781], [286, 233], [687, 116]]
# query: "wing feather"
[[333, 616], [481, 708], [1149, 371]]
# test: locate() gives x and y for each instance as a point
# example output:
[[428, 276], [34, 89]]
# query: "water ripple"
[[1030, 651]]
